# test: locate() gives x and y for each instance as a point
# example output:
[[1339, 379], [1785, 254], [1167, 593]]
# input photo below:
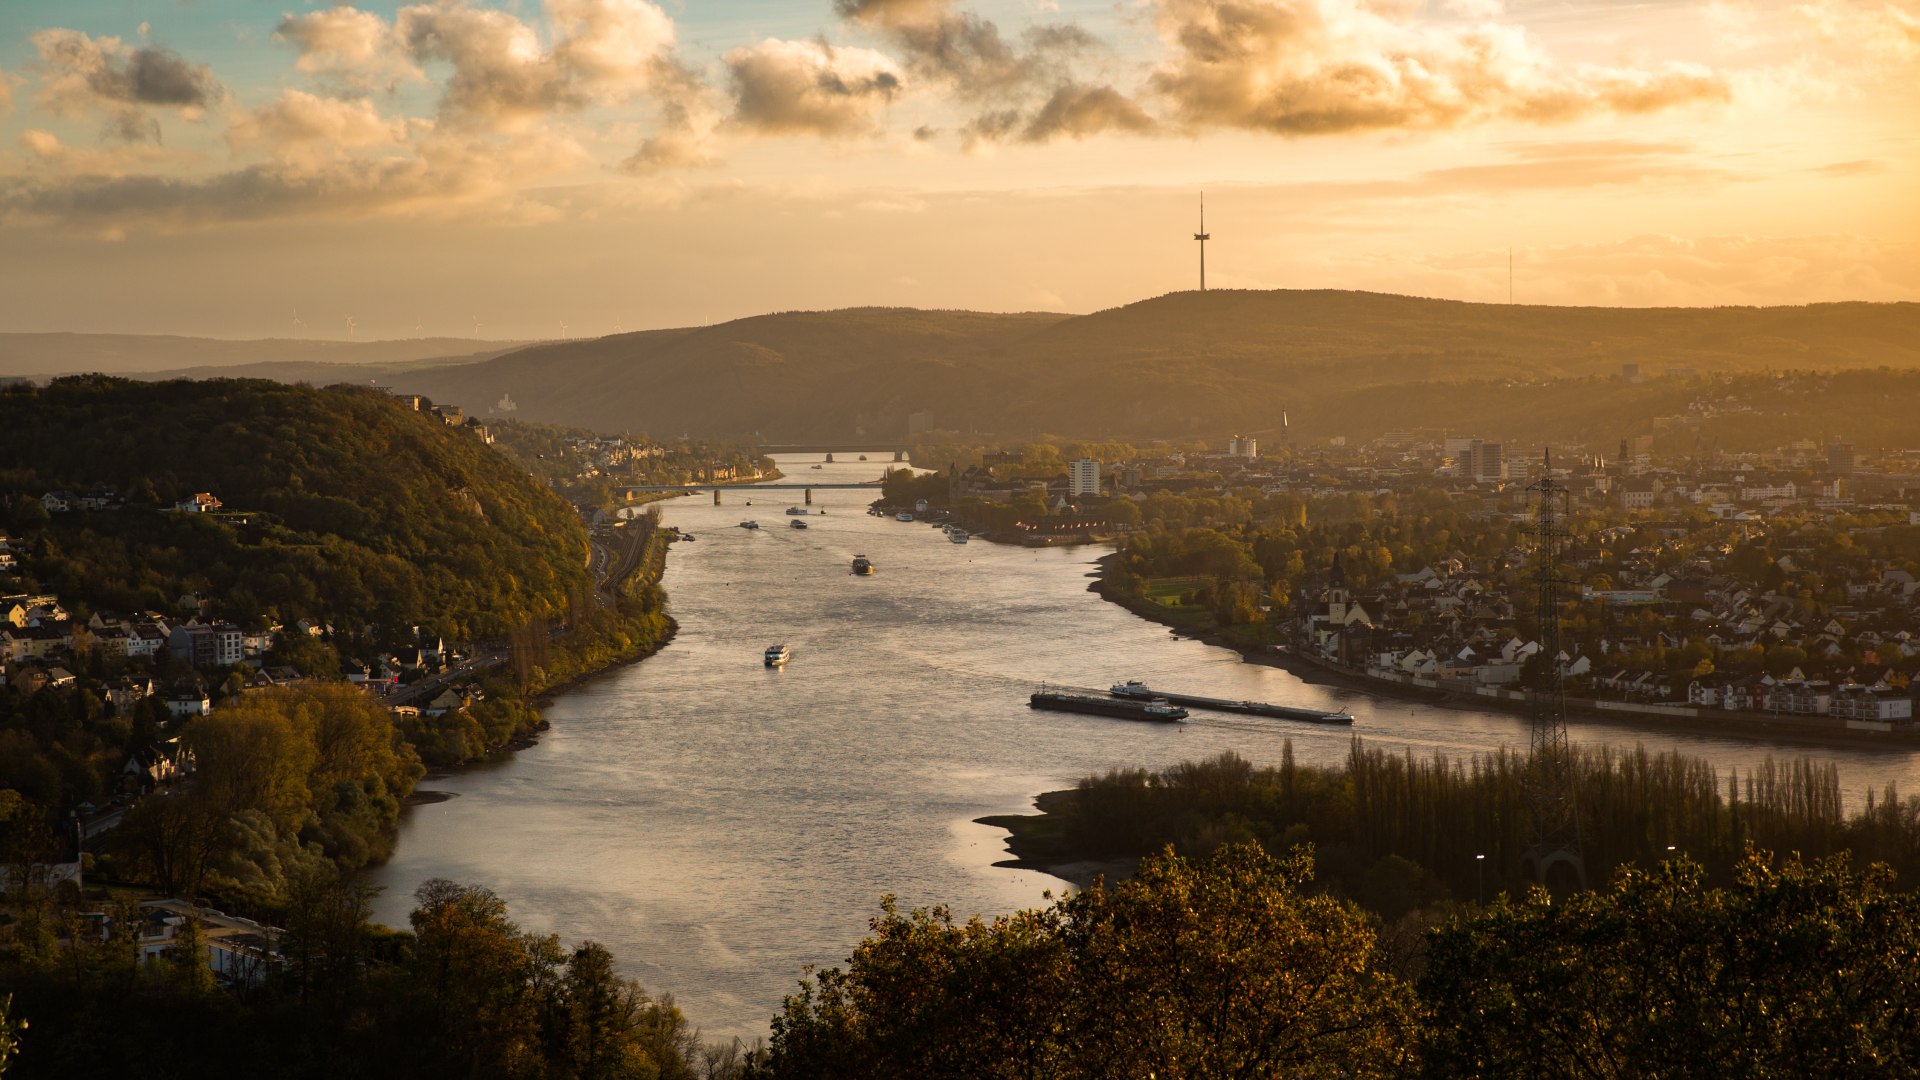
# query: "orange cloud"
[[343, 43], [810, 87], [1312, 67]]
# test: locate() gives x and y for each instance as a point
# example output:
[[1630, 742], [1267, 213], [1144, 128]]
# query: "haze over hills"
[[41, 355], [1183, 364]]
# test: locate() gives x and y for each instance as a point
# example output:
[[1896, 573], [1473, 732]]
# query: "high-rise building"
[[1840, 458], [1484, 462], [1083, 477], [1243, 446]]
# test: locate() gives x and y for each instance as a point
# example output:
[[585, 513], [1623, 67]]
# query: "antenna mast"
[[1550, 800], [1203, 237], [1509, 277]]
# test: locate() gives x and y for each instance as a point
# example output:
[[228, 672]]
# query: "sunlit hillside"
[[1186, 363]]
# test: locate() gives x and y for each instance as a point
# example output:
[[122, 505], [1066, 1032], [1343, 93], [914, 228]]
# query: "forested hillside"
[[1182, 364], [343, 505]]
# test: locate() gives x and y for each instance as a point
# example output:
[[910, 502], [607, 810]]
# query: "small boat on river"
[[904, 515], [862, 566], [796, 511], [778, 655], [796, 523], [749, 524]]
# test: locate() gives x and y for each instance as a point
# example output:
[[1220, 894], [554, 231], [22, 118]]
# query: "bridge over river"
[[695, 489], [749, 489], [898, 450]]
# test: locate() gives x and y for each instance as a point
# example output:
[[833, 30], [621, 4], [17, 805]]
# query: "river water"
[[720, 825]]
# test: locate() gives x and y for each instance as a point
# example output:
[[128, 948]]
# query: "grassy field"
[[1167, 591]]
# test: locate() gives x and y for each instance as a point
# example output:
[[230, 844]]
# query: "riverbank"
[[1199, 624], [544, 696], [1038, 842]]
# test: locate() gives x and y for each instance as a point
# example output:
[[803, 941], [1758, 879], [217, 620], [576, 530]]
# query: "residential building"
[[206, 645], [1854, 702], [1083, 477]]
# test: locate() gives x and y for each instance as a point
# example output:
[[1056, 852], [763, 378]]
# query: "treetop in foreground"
[[1232, 966], [1225, 967]]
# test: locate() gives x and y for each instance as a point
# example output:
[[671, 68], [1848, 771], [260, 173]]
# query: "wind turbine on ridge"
[[350, 326]]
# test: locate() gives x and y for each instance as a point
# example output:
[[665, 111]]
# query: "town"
[[1777, 586]]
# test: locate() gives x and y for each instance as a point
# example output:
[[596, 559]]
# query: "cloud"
[[84, 75], [604, 52], [1885, 32], [356, 48], [1079, 111], [113, 160], [1575, 164], [1851, 168], [8, 80], [444, 177], [1308, 67], [303, 127], [810, 87], [960, 49], [967, 53], [689, 111], [1026, 88]]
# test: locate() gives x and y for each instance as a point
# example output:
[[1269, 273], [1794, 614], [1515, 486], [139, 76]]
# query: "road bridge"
[[695, 489], [898, 450], [749, 489]]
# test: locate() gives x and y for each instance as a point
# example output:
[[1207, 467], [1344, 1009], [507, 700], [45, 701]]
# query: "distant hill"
[[43, 355], [1183, 364], [342, 506]]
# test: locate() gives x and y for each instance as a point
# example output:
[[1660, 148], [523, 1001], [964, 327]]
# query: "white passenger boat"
[[778, 655]]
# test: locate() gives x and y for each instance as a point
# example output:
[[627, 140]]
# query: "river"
[[720, 825]]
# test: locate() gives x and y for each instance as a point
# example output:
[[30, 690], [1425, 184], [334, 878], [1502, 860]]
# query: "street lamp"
[[1480, 863]]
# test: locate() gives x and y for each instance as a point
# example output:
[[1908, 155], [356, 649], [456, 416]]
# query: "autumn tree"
[[1797, 969], [1226, 967]]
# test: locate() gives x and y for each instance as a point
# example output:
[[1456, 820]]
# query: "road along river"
[[720, 825]]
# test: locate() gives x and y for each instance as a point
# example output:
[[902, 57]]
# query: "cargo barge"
[[1125, 709], [1135, 690]]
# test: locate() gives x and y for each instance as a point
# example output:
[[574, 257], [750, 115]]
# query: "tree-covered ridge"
[[594, 470], [343, 505], [1341, 363]]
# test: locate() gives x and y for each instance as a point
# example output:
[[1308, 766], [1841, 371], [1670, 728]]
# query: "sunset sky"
[[524, 169]]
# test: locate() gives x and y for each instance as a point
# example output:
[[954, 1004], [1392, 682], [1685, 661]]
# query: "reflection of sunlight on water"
[[719, 826]]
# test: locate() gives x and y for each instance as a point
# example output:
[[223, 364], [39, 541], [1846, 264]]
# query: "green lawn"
[[1167, 591]]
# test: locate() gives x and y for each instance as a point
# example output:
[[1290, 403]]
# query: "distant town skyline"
[[581, 167]]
